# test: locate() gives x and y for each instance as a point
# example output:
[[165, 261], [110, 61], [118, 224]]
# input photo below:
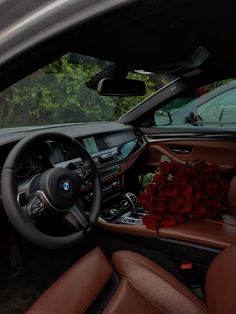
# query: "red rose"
[[178, 168], [198, 213], [203, 178], [160, 179], [174, 207], [175, 204], [146, 200], [180, 205], [184, 208], [161, 207], [151, 188], [165, 167], [196, 198], [179, 218], [196, 186], [186, 190], [167, 192], [167, 221], [162, 196], [191, 172], [171, 191], [211, 189], [215, 176], [180, 179], [143, 198], [151, 221], [202, 167], [204, 196], [195, 193]]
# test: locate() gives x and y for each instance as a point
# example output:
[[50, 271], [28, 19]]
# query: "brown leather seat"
[[144, 287]]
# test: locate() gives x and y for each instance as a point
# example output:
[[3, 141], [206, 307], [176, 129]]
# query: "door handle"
[[183, 150]]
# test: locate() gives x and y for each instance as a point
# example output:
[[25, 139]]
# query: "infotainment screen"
[[91, 145]]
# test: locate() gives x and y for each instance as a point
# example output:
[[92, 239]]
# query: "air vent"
[[108, 171]]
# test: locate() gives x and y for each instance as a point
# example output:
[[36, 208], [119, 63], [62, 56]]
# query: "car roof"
[[182, 37]]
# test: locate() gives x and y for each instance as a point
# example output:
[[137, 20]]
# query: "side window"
[[229, 108], [220, 109], [211, 105]]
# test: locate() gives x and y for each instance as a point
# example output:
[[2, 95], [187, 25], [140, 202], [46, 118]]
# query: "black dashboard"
[[110, 145]]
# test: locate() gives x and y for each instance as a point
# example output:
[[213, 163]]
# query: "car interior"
[[72, 236]]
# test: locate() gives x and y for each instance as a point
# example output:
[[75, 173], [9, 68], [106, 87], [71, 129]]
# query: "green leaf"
[[165, 158], [145, 179]]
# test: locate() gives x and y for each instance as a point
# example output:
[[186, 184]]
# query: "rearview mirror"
[[121, 87]]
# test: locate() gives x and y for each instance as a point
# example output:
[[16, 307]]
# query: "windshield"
[[57, 94]]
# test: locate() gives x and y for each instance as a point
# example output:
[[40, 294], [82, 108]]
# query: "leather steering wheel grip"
[[9, 189]]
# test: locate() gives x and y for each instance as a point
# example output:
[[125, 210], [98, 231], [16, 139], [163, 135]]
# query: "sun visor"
[[199, 56]]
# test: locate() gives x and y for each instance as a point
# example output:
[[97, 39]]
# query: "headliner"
[[143, 34]]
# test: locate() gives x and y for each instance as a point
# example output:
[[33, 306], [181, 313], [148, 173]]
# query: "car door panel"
[[212, 151], [188, 144]]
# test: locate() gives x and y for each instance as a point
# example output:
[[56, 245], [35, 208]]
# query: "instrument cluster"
[[30, 165]]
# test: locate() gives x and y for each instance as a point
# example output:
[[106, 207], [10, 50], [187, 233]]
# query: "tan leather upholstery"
[[221, 283], [145, 288], [156, 290], [77, 288]]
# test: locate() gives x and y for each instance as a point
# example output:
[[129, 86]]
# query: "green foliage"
[[58, 94], [145, 179]]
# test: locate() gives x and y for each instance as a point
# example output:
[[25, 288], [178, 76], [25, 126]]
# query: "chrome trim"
[[192, 137]]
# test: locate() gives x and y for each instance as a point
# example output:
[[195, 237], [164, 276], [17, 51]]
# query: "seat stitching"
[[176, 285]]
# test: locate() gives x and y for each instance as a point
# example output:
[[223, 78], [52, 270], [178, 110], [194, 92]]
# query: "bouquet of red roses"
[[184, 192]]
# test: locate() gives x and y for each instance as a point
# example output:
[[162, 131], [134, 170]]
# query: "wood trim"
[[213, 233], [139, 230]]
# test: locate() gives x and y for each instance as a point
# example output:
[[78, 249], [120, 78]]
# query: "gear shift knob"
[[132, 199]]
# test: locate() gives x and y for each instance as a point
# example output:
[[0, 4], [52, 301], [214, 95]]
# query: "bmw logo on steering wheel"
[[65, 186]]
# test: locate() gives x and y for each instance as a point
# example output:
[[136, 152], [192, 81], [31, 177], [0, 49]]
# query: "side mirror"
[[121, 87], [193, 118], [162, 118]]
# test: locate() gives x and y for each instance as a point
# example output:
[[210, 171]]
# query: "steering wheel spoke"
[[35, 206], [76, 216]]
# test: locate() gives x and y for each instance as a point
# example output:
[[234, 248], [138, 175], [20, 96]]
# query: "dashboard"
[[113, 146]]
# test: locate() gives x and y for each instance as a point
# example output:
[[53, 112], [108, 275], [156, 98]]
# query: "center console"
[[124, 215], [121, 213], [123, 209]]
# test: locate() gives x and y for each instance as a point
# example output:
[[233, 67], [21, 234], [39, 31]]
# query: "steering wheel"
[[56, 190]]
